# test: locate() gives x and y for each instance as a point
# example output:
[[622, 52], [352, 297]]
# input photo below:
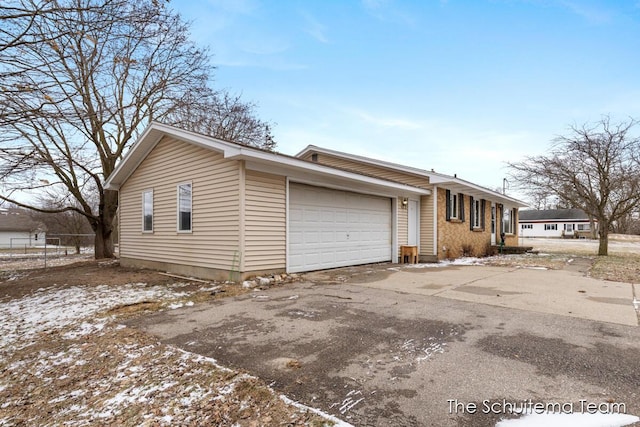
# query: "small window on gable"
[[184, 207], [147, 210]]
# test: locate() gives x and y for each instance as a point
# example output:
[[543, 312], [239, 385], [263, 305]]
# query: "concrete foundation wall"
[[193, 271]]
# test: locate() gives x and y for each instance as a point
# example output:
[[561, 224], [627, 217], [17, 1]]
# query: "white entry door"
[[333, 228]]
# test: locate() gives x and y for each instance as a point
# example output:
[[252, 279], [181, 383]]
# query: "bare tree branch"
[[79, 80], [594, 168]]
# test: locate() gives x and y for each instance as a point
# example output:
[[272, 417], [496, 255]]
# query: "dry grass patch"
[[549, 261], [618, 268], [126, 378]]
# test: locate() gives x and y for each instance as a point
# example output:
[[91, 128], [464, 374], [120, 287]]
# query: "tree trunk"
[[103, 242], [104, 226], [603, 231]]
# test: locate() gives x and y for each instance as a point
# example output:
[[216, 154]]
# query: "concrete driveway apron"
[[396, 352], [565, 292]]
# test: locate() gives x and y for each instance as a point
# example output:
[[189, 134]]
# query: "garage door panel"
[[332, 228]]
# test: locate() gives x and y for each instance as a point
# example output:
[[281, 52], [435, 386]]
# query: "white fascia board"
[[136, 154], [434, 177], [325, 176], [461, 186], [150, 138], [362, 159]]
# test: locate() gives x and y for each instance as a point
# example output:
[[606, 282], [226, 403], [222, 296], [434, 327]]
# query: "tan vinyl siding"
[[265, 222], [215, 205], [372, 170], [426, 224]]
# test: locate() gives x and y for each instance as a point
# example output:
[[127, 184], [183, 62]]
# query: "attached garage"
[[253, 212], [330, 228]]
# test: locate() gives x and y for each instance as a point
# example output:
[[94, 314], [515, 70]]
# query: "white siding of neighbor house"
[[539, 231], [22, 239], [265, 222], [214, 240]]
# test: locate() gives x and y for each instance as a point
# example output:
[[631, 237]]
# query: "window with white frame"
[[453, 205], [548, 227], [477, 213], [568, 227], [584, 227], [184, 207], [147, 210], [508, 221], [526, 226]]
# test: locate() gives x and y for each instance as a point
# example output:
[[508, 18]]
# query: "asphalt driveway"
[[394, 352]]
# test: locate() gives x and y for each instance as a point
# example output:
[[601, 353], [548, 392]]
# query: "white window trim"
[[512, 221], [190, 230], [454, 209], [144, 192], [477, 213]]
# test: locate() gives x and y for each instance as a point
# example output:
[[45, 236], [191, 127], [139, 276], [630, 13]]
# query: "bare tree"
[[223, 116], [70, 226], [79, 79], [595, 168]]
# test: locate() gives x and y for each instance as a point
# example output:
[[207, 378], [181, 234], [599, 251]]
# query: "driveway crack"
[[453, 288]]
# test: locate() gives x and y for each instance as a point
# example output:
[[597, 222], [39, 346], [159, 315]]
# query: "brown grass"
[[618, 267]]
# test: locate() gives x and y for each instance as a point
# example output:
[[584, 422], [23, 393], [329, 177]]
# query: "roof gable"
[[255, 158]]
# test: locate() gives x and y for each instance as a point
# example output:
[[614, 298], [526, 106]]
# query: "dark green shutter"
[[482, 212], [472, 214], [448, 205], [461, 203]]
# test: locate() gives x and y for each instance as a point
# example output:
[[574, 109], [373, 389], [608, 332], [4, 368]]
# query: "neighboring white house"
[[569, 223], [17, 229]]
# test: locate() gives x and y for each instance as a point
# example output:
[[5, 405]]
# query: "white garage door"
[[332, 228]]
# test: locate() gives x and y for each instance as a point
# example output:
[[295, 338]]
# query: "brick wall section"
[[454, 235]]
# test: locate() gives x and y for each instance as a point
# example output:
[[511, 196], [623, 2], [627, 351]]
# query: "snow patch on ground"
[[21, 320], [337, 422], [140, 377], [570, 420], [448, 263]]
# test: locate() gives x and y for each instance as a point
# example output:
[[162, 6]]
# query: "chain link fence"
[[55, 249]]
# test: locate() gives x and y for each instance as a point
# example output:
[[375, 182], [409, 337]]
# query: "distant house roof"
[[553, 215], [13, 219]]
